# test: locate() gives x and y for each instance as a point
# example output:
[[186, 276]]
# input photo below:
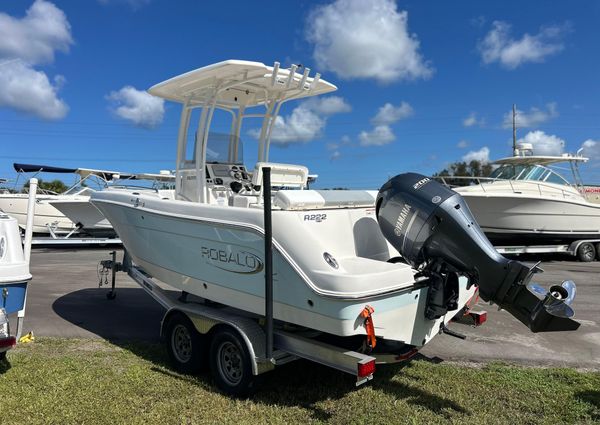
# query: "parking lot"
[[64, 301]]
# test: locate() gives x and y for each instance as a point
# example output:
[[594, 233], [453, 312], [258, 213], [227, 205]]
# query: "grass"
[[67, 381]]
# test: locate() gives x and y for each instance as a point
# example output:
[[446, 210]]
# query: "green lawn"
[[63, 381]]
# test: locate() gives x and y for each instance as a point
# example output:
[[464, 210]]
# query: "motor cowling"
[[434, 231]]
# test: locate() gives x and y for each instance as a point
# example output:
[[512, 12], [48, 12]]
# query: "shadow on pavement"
[[131, 316]]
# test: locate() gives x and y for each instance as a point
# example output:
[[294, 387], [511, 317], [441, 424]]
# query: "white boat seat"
[[285, 175], [322, 199]]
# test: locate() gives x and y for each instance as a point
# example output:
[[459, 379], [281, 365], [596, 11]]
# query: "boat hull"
[[222, 260], [85, 215], [46, 216], [527, 220]]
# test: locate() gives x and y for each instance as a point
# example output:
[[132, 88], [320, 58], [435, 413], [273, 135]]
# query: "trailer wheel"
[[185, 346], [586, 252], [230, 363], [598, 251]]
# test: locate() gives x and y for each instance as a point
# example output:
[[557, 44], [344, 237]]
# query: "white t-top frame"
[[233, 86]]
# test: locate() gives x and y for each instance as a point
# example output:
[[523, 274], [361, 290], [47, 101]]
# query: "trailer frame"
[[574, 249]]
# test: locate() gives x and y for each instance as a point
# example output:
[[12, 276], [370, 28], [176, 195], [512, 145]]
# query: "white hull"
[[530, 217], [13, 267], [192, 247], [83, 212], [46, 216]]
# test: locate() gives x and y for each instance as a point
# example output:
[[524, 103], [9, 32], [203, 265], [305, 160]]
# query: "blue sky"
[[420, 84]]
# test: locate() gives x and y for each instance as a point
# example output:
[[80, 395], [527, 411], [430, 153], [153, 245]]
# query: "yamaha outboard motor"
[[434, 231]]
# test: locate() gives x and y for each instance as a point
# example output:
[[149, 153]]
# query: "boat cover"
[[32, 168]]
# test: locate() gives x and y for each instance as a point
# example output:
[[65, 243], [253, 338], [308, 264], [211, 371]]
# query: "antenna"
[[514, 122]]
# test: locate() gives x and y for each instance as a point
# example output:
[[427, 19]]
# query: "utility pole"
[[514, 113]]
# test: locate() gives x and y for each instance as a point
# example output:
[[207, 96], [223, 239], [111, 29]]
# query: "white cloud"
[[365, 39], [306, 122], [462, 144], [389, 114], [329, 105], [335, 155], [27, 90], [533, 118], [591, 149], [472, 120], [499, 46], [138, 107], [302, 125], [382, 133], [25, 42], [379, 136], [482, 155], [544, 144], [35, 37]]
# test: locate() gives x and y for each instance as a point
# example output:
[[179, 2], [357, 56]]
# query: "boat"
[[14, 273], [336, 253], [48, 219], [526, 201], [90, 220]]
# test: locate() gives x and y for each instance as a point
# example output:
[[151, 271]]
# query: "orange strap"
[[367, 314]]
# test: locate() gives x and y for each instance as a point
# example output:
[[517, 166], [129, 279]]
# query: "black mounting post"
[[268, 261], [113, 268]]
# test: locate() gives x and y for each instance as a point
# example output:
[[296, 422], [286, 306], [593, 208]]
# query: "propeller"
[[556, 301]]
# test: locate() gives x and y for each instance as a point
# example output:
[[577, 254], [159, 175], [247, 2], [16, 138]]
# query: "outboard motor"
[[434, 231]]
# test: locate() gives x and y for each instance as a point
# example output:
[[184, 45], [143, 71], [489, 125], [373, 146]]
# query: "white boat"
[[48, 219], [90, 220], [330, 257], [526, 201], [14, 274]]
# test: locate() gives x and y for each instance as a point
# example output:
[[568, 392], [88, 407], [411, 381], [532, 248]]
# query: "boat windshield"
[[538, 173], [219, 146], [506, 172], [86, 186]]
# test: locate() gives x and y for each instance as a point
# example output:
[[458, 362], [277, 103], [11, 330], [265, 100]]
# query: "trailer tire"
[[586, 252], [230, 363], [186, 347], [598, 251]]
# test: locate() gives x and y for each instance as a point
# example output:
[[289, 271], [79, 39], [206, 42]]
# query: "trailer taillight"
[[8, 342], [479, 317], [366, 369]]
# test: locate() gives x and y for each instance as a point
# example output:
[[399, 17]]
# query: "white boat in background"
[[331, 260], [48, 219], [525, 201], [91, 221]]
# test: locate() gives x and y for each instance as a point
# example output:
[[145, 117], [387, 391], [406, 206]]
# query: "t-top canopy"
[[83, 172], [162, 177], [240, 83], [32, 168], [541, 160]]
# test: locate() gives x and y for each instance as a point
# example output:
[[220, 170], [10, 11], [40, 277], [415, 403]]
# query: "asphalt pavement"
[[64, 300]]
